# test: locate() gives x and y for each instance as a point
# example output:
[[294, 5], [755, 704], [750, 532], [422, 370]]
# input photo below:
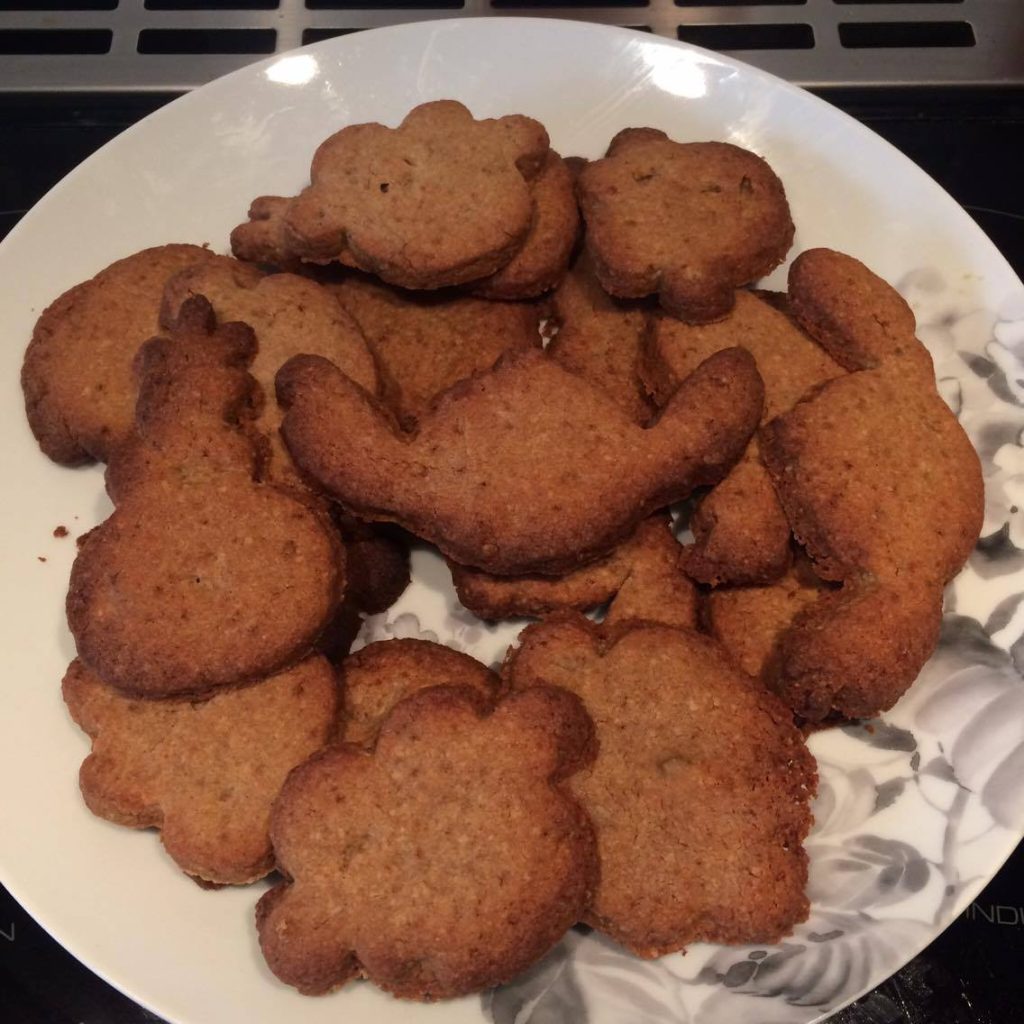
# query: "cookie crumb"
[[60, 531]]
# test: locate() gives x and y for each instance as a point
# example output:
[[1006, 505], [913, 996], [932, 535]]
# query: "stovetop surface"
[[969, 141]]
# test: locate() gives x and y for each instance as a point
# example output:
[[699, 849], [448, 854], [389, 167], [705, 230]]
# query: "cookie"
[[77, 374], [543, 259], [380, 675], [261, 239], [523, 469], [202, 577], [853, 314], [741, 534], [444, 862], [642, 575], [441, 200], [689, 222], [601, 339], [882, 486], [700, 792], [205, 773], [425, 343], [290, 315], [749, 622], [376, 564], [789, 360]]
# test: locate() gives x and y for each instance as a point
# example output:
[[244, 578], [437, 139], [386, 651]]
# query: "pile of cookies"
[[524, 360]]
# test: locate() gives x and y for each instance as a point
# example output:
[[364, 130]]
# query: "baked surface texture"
[[700, 792], [426, 342], [203, 772], [741, 534], [441, 200], [543, 259], [857, 466], [290, 315], [445, 861], [688, 222], [601, 338], [202, 577], [380, 675], [526, 468], [77, 374], [642, 578]]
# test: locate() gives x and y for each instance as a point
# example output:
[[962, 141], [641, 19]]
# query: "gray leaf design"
[[997, 555], [620, 987], [831, 956], [1003, 613], [979, 365], [867, 871], [882, 734], [887, 793], [545, 994], [975, 705]]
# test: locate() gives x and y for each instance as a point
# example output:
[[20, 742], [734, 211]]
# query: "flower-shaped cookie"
[[445, 861]]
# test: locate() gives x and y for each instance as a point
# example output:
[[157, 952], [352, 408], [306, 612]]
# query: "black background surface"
[[969, 141]]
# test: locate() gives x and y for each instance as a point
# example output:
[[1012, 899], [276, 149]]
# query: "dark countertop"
[[968, 141]]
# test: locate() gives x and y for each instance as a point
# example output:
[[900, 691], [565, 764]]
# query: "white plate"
[[913, 817]]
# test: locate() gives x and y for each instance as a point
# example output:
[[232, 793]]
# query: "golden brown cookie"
[[741, 532], [748, 622], [441, 200], [700, 792], [290, 315], [380, 675], [376, 563], [643, 572], [261, 239], [881, 484], [689, 222], [853, 314], [203, 772], [789, 360], [444, 862], [426, 343], [526, 468], [77, 374], [601, 338], [543, 258], [202, 577]]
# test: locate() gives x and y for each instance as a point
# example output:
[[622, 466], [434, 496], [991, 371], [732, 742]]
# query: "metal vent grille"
[[170, 45]]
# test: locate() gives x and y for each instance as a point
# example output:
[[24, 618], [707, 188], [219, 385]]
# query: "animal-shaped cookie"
[[700, 791], [289, 315], [601, 338], [643, 575], [77, 375], [380, 675], [526, 468], [445, 861], [741, 534], [204, 772], [441, 200], [425, 343], [202, 577], [689, 222], [881, 485]]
